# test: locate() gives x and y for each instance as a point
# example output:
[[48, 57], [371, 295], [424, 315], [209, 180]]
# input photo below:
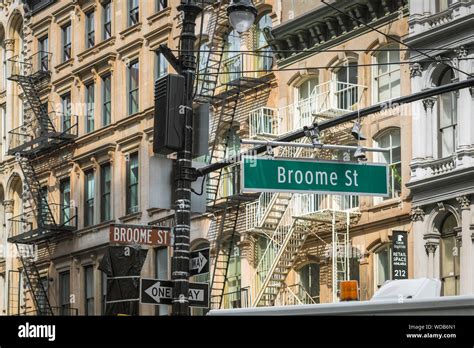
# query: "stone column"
[[419, 119], [466, 249], [419, 254], [430, 247], [428, 131]]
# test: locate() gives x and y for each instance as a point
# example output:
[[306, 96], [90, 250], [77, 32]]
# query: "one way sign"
[[199, 262], [156, 291]]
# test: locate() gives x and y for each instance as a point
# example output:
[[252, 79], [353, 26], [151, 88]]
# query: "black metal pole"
[[180, 262], [351, 116]]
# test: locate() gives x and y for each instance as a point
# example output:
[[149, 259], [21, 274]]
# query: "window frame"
[[377, 76], [106, 103], [43, 48], [104, 193], [90, 29], [453, 116], [66, 110], [64, 301], [129, 186], [64, 219], [90, 104], [133, 12], [376, 264], [66, 37], [89, 293], [89, 198], [160, 5], [107, 24], [135, 91], [161, 65]]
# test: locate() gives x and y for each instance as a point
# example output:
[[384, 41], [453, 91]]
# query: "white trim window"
[[390, 139], [382, 265], [447, 111], [387, 74]]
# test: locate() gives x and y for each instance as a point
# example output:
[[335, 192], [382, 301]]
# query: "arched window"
[[447, 111], [391, 140], [346, 86], [387, 74], [232, 59], [264, 60], [449, 253], [308, 280], [382, 265]]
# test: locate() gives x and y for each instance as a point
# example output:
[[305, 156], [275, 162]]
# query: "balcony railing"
[[63, 311], [30, 224], [295, 294], [39, 62], [36, 132], [236, 299], [245, 65], [264, 122]]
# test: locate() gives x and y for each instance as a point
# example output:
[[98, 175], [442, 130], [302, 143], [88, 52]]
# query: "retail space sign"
[[156, 292], [313, 176], [399, 255], [199, 262], [142, 235]]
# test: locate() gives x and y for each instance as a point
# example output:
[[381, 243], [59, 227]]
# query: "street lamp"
[[242, 14]]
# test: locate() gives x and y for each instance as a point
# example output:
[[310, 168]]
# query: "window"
[[90, 30], [64, 293], [4, 75], [443, 5], [232, 296], [89, 192], [447, 110], [104, 292], [43, 47], [308, 287], [107, 20], [161, 4], [106, 100], [43, 208], [161, 65], [66, 37], [90, 102], [89, 290], [383, 265], [161, 255], [42, 301], [391, 140], [133, 87], [264, 55], [232, 60], [346, 89], [132, 184], [449, 252], [306, 103], [105, 189], [387, 74], [133, 12], [65, 201], [66, 112]]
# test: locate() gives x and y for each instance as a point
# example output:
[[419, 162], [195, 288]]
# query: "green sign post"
[[313, 176]]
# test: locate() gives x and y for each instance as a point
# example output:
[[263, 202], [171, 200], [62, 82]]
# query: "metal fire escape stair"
[[42, 138], [227, 222]]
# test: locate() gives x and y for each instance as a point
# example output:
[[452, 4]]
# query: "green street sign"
[[314, 176]]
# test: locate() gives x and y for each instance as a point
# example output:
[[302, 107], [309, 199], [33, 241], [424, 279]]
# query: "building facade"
[[442, 164]]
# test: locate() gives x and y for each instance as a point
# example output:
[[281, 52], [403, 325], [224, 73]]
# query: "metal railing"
[[255, 211], [65, 123], [264, 121], [61, 311], [245, 65], [236, 299], [22, 66], [295, 294]]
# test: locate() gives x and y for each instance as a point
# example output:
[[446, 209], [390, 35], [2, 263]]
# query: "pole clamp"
[[188, 173]]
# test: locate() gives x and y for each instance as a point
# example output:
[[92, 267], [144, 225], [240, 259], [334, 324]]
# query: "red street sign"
[[135, 234]]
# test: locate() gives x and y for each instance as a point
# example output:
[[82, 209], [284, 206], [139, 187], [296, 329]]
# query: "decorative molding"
[[464, 202], [461, 52], [430, 247], [8, 206], [417, 214], [416, 70], [428, 103], [9, 44]]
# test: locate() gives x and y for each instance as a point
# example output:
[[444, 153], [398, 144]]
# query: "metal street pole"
[[180, 262]]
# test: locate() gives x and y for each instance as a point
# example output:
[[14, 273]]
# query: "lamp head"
[[242, 14]]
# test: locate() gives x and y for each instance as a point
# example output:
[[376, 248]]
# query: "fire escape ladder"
[[207, 77], [38, 292], [223, 251]]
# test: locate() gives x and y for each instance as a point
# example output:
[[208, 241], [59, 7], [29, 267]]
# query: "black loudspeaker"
[[168, 127]]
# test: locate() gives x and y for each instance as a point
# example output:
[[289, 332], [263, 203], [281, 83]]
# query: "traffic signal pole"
[[180, 261]]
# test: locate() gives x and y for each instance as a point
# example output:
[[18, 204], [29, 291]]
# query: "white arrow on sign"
[[198, 262], [158, 292]]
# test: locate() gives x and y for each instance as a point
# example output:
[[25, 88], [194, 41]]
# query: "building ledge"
[[93, 228], [130, 30], [165, 13], [95, 49], [64, 65], [130, 217]]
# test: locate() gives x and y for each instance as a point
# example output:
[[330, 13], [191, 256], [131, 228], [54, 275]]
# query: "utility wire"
[[321, 67], [333, 50], [392, 38]]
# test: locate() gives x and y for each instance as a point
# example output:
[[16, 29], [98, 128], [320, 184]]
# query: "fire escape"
[[289, 220], [224, 84], [32, 144]]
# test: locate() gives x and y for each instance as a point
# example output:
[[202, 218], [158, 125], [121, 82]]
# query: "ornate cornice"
[[464, 202], [428, 103], [8, 206], [430, 247], [416, 70]]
